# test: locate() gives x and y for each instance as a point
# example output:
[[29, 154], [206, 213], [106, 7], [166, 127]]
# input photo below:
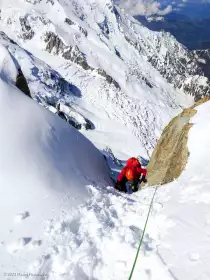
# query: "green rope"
[[142, 237]]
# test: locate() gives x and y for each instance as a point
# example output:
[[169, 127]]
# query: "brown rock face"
[[170, 156]]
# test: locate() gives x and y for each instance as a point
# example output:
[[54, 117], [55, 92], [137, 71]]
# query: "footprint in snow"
[[194, 256], [19, 244], [36, 243], [157, 206], [22, 216]]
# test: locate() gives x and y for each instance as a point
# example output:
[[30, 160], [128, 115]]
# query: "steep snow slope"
[[65, 223], [95, 47], [46, 166], [99, 239]]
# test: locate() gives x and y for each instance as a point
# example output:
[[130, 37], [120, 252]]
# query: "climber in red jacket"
[[132, 173]]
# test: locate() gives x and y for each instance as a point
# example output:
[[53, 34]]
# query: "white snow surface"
[[60, 216], [61, 219], [99, 239], [114, 43], [46, 167]]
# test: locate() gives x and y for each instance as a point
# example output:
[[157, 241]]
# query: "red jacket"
[[135, 165]]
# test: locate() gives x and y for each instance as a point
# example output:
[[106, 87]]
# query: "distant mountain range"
[[199, 10], [194, 33]]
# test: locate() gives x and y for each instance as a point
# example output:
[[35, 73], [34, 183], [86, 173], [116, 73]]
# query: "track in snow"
[[99, 240]]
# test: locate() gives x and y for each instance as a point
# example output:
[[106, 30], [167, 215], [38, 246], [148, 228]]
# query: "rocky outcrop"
[[5, 37], [197, 86], [184, 69], [10, 70], [108, 78], [203, 58], [34, 2], [22, 84], [170, 156], [83, 30], [71, 116], [69, 21], [56, 45], [27, 31], [104, 27]]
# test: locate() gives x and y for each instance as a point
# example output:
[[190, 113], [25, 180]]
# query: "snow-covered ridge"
[[85, 33], [203, 57], [92, 46], [8, 69]]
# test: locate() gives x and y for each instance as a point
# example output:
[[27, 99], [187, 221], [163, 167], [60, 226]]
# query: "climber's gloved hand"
[[144, 179]]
